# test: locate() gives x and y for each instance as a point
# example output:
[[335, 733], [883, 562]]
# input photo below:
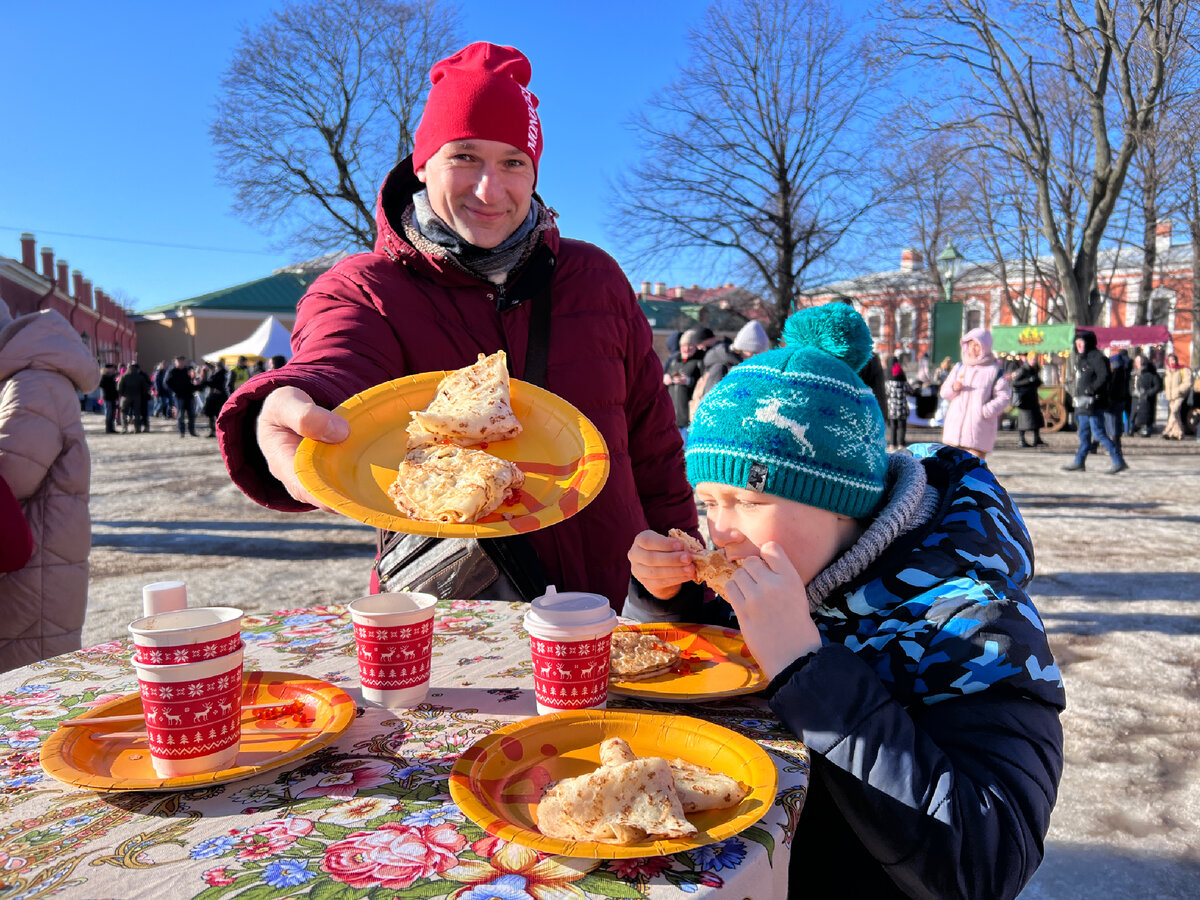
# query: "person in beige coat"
[[1177, 383], [44, 458]]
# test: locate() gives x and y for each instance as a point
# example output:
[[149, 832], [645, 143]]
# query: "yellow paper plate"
[[498, 781], [71, 756], [563, 456], [715, 663]]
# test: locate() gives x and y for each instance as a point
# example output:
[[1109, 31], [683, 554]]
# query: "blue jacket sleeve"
[[951, 799]]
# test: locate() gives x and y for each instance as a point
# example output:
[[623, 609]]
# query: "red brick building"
[[897, 303], [26, 286]]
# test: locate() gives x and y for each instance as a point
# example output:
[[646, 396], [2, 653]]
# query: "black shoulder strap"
[[538, 350]]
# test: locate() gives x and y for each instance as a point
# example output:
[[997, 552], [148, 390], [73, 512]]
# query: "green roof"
[[670, 315], [277, 294]]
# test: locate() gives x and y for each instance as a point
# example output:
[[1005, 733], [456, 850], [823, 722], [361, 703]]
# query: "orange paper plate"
[[498, 781], [563, 456], [71, 756], [715, 663]]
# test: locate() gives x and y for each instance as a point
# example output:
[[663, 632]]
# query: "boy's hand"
[[660, 563], [772, 609]]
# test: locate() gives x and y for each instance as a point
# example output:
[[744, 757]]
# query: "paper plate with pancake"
[[563, 457], [713, 662], [500, 780]]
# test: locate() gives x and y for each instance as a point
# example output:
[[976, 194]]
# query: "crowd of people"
[[179, 391]]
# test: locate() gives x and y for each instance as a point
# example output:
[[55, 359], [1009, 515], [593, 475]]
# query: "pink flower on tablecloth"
[[217, 877], [356, 775], [487, 845], [40, 698], [394, 855], [448, 622], [319, 629], [269, 838], [356, 811], [647, 867], [105, 649]]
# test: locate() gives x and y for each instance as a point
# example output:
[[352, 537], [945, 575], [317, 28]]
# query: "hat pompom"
[[833, 327]]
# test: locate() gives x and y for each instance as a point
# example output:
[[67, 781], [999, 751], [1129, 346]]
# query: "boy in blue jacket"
[[884, 597]]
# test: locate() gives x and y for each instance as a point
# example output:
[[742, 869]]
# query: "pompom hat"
[[482, 91], [798, 422]]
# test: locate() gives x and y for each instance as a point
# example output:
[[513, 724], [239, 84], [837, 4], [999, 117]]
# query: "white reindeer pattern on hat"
[[768, 412]]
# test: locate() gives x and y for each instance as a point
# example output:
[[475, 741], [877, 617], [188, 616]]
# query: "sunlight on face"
[[481, 189], [741, 521]]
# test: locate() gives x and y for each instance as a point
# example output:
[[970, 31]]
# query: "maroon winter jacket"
[[378, 316]]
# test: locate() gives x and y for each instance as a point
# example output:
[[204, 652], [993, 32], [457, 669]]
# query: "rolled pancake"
[[445, 483], [618, 804], [471, 405]]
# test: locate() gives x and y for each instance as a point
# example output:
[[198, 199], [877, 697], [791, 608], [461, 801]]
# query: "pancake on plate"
[[446, 483], [635, 656], [470, 406], [712, 566], [630, 798]]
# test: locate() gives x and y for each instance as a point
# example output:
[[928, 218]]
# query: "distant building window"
[[875, 324], [1160, 311], [905, 321], [972, 319]]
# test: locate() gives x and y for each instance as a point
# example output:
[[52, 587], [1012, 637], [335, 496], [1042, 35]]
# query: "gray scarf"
[[912, 502], [489, 264]]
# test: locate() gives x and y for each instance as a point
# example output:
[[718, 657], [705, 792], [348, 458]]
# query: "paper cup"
[[193, 714], [163, 597], [187, 635], [570, 636], [393, 634]]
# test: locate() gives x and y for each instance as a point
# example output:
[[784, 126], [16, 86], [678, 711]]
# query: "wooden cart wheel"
[[1054, 412]]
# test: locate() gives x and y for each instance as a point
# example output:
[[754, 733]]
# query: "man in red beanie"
[[468, 260]]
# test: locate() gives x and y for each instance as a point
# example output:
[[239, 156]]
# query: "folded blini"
[[451, 484], [471, 405]]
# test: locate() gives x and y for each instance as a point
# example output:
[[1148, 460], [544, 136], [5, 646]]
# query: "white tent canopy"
[[271, 338]]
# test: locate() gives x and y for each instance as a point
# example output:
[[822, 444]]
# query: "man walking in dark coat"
[[108, 389], [179, 383], [1092, 377]]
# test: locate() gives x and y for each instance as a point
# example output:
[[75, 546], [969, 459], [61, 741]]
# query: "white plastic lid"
[[163, 597], [571, 614]]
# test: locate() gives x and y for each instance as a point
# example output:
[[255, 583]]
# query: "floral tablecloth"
[[368, 816]]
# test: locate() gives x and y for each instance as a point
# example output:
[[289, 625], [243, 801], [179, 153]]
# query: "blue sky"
[[108, 107]]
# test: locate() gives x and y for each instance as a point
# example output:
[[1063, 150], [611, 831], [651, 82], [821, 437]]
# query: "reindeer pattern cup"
[[393, 634], [193, 714], [570, 637]]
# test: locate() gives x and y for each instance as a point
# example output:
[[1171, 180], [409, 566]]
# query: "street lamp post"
[[945, 326], [949, 263]]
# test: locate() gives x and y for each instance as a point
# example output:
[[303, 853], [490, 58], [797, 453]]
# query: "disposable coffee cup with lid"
[[570, 636]]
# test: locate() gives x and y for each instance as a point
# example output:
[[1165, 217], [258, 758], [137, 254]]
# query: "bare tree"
[[319, 102], [1012, 53], [751, 152]]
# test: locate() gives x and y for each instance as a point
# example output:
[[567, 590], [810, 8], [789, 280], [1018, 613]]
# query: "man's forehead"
[[478, 145]]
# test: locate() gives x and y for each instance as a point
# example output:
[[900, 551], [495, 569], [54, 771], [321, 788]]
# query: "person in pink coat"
[[978, 393]]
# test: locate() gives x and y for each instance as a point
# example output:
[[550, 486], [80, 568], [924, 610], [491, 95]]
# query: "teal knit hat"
[[798, 422]]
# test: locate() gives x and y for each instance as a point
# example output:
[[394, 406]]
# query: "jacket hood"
[[984, 337], [45, 340], [1089, 339]]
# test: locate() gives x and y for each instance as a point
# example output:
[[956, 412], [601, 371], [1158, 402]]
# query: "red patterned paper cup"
[[393, 634], [193, 714], [186, 635], [569, 639], [570, 674]]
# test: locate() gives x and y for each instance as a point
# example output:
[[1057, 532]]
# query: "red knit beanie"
[[480, 92]]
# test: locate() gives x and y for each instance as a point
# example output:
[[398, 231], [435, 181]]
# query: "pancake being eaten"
[[713, 567], [697, 787], [471, 405], [445, 483], [635, 656]]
